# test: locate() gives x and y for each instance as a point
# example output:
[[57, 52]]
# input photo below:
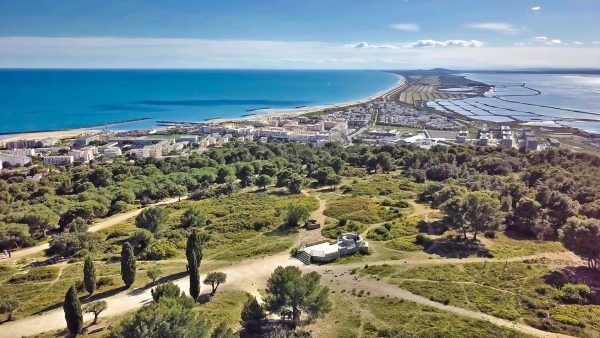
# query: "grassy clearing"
[[511, 290], [354, 316], [505, 247], [360, 209], [240, 226], [382, 186], [225, 307]]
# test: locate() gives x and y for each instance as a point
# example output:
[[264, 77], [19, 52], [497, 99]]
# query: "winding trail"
[[100, 225], [251, 276], [381, 289]]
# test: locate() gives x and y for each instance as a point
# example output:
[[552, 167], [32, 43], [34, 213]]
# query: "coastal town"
[[385, 119]]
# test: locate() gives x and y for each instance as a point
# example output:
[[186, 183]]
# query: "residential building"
[[84, 141], [58, 160], [14, 160]]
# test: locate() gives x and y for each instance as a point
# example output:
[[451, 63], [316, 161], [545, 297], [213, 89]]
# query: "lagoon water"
[[571, 96], [32, 100]]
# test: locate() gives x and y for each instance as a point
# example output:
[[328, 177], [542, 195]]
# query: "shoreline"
[[262, 114], [256, 115], [67, 132]]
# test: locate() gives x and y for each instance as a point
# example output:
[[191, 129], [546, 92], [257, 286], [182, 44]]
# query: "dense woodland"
[[547, 195]]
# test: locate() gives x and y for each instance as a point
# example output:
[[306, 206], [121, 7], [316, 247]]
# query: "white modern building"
[[58, 160], [326, 251], [14, 159]]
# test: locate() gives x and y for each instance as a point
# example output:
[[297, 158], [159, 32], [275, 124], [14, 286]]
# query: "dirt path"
[[100, 225], [311, 236], [342, 279], [249, 276]]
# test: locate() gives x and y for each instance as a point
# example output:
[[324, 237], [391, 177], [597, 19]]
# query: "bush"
[[160, 250], [71, 244], [105, 281], [423, 240], [574, 293]]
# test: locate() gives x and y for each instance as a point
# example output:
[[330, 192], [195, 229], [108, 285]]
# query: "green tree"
[[454, 214], [154, 273], [295, 214], [14, 235], [526, 216], [289, 288], [582, 236], [166, 290], [128, 264], [295, 183], [151, 219], [214, 279], [193, 217], [73, 315], [8, 305], [193, 266], [171, 317], [385, 161], [252, 316], [244, 174], [89, 275], [193, 253], [223, 331], [482, 212], [225, 174], [263, 180], [96, 308]]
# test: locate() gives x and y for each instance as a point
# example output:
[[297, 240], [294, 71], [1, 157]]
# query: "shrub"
[[105, 281], [160, 250], [423, 240], [574, 293]]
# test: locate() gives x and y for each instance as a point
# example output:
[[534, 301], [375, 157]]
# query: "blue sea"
[[38, 100]]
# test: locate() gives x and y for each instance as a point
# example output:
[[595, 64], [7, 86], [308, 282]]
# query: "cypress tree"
[[194, 277], [73, 314], [127, 264], [89, 275], [194, 245], [193, 252]]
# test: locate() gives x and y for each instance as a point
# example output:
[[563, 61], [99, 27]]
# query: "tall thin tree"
[[73, 315], [193, 252], [89, 275], [128, 268]]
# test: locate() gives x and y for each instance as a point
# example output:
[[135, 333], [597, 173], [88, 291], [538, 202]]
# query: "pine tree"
[[73, 314], [127, 264], [89, 275]]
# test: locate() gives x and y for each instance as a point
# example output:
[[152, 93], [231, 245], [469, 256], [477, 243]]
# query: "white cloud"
[[111, 52], [596, 42], [364, 44], [577, 43], [536, 8], [547, 41], [498, 27], [444, 43], [406, 27]]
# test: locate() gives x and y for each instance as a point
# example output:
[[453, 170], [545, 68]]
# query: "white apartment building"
[[58, 160], [14, 159], [112, 152]]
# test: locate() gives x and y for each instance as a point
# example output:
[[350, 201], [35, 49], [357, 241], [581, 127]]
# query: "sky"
[[300, 34]]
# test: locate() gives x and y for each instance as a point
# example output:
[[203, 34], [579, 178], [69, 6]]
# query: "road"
[[100, 225]]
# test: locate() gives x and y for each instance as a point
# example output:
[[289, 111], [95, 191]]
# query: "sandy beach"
[[258, 115], [262, 114], [47, 134]]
